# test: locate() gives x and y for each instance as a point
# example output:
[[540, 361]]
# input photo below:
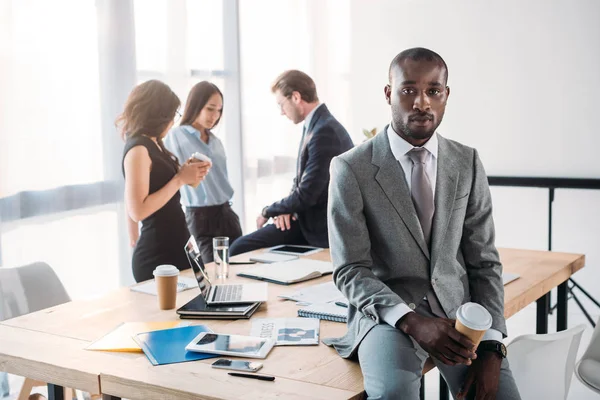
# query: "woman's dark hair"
[[197, 99], [149, 109]]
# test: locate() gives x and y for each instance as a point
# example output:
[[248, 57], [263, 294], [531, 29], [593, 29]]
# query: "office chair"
[[543, 365], [587, 369], [27, 289]]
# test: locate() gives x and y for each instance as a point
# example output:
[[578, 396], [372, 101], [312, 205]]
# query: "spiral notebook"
[[326, 311]]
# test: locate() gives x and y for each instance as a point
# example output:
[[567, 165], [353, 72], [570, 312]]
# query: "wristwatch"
[[493, 345]]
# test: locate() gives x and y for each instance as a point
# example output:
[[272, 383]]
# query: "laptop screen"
[[193, 254]]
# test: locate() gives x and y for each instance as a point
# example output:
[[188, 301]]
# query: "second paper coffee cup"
[[166, 277], [473, 320]]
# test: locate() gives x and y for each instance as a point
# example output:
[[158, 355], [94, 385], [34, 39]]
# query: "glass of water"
[[221, 256]]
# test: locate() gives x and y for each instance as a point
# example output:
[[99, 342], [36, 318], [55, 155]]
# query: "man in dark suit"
[[301, 217]]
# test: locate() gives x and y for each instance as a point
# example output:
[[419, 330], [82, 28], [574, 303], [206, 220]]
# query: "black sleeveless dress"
[[164, 233]]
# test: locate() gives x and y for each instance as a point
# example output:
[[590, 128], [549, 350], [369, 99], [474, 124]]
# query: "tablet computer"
[[231, 345], [295, 250]]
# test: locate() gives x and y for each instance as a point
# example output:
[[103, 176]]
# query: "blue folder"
[[168, 346]]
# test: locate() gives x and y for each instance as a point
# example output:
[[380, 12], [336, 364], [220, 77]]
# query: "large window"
[[50, 124], [52, 168]]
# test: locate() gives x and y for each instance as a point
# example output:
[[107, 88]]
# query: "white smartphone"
[[237, 365], [231, 345]]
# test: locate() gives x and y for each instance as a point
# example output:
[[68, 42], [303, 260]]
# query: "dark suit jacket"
[[324, 139]]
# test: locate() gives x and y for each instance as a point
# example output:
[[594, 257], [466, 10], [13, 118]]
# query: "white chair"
[[543, 365], [27, 289], [587, 369]]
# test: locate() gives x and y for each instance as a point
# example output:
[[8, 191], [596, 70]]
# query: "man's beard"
[[419, 134]]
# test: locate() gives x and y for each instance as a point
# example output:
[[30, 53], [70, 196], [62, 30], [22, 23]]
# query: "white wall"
[[524, 80], [524, 75]]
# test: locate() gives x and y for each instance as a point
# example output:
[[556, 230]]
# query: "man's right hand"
[[438, 337]]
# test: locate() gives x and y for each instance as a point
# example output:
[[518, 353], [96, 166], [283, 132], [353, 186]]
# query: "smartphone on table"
[[237, 365]]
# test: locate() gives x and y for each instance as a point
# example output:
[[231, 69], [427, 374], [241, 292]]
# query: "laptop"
[[222, 293]]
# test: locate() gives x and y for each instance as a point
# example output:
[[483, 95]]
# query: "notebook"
[[287, 331], [268, 258], [149, 287], [121, 338], [322, 293], [327, 311], [285, 273], [168, 346], [198, 309]]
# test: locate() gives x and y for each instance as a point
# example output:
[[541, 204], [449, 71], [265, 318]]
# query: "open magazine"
[[287, 331]]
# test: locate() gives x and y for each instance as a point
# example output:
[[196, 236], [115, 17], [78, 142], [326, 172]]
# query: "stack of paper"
[[149, 287]]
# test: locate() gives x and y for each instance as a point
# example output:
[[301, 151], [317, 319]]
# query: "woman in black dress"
[[153, 178]]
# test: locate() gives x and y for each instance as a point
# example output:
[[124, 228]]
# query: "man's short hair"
[[296, 81], [418, 54]]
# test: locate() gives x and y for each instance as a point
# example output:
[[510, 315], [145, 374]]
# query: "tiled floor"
[[519, 324]]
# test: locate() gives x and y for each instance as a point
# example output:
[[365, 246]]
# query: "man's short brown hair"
[[296, 81]]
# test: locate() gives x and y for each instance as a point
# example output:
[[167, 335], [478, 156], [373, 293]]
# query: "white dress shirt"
[[309, 117], [400, 149]]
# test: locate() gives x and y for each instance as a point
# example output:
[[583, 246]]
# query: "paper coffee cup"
[[473, 320], [166, 277]]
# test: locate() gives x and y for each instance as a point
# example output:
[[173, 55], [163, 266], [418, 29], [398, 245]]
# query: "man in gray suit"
[[412, 239]]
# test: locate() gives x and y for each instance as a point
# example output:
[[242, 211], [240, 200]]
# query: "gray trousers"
[[392, 364]]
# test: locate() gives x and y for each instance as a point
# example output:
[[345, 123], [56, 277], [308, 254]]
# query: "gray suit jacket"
[[379, 255]]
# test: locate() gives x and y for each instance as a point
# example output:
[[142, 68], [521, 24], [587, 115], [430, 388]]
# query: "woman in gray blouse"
[[207, 207]]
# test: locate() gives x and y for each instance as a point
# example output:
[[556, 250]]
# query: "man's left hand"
[[283, 222], [484, 373]]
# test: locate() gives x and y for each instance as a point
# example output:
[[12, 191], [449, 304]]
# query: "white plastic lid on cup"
[[474, 316], [166, 270], [202, 157]]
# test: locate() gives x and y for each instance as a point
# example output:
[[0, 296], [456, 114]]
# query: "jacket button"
[[372, 317], [412, 306]]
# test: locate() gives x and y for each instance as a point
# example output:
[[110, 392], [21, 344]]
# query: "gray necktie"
[[421, 191], [422, 196]]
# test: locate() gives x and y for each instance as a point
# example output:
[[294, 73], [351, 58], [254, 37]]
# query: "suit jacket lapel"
[[445, 193], [391, 179], [322, 110]]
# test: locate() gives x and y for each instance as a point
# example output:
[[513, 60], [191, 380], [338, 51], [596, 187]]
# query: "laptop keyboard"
[[228, 293]]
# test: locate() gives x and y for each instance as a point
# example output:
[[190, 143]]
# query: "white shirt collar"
[[400, 146], [308, 118]]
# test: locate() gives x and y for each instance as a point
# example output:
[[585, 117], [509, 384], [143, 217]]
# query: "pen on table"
[[259, 377], [341, 304], [241, 262]]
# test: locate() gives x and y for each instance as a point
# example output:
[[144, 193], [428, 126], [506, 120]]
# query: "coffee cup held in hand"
[[473, 320], [166, 277], [197, 156]]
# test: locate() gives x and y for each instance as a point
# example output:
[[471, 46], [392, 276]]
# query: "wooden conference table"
[[48, 345]]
